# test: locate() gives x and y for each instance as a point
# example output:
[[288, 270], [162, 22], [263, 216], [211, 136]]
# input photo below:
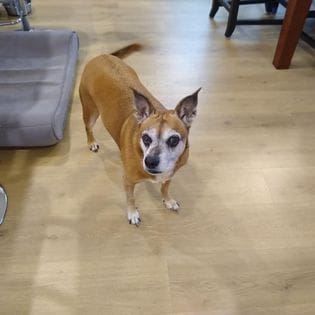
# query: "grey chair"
[[37, 73], [271, 6], [232, 6]]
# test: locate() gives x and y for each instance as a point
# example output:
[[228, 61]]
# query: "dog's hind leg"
[[90, 115]]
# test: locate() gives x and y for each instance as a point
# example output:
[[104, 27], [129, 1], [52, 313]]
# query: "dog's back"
[[105, 88]]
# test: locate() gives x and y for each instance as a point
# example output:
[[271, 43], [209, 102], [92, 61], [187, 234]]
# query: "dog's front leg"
[[132, 213], [168, 201]]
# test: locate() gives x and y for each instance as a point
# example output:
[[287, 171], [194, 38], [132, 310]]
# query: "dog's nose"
[[152, 161]]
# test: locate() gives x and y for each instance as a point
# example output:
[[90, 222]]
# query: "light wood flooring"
[[244, 240]]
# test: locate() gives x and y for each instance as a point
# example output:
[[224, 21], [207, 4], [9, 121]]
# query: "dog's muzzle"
[[151, 163]]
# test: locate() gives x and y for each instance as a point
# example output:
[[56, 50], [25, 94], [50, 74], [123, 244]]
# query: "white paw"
[[94, 147], [171, 204], [134, 217]]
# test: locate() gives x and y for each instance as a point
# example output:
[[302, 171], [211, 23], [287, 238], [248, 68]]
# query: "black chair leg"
[[22, 11], [25, 24], [214, 8], [271, 6], [232, 18]]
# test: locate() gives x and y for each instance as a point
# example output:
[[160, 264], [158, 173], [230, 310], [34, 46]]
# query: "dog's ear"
[[186, 108], [142, 106]]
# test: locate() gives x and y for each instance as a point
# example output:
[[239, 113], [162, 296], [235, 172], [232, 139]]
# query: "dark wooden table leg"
[[292, 27], [214, 8], [232, 18]]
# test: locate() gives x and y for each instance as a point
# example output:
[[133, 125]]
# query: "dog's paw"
[[134, 217], [94, 147], [171, 204]]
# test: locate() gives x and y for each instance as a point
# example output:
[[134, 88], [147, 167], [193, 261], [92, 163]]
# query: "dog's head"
[[163, 134]]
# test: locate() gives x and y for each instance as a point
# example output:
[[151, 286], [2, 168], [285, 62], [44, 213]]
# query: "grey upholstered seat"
[[37, 71]]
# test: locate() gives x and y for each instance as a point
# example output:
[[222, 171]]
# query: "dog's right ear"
[[142, 106]]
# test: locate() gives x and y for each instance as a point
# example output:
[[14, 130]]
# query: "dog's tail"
[[123, 52]]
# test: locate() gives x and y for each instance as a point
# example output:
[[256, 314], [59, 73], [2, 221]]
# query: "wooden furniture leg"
[[214, 8], [291, 30], [232, 18], [271, 6]]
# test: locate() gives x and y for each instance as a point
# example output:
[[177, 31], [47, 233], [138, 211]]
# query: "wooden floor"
[[244, 241]]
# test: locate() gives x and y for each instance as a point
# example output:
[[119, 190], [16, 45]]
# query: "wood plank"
[[290, 32]]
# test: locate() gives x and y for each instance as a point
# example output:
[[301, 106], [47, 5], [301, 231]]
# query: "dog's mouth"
[[153, 172]]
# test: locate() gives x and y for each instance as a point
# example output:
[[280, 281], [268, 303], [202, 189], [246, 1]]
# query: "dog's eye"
[[146, 140], [173, 141]]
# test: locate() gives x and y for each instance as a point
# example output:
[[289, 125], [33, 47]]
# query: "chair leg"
[[22, 11], [25, 24], [232, 17], [214, 8], [271, 6]]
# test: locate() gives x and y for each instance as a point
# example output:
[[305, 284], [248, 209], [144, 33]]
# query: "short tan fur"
[[109, 88]]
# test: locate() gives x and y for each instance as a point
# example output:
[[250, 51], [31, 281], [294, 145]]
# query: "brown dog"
[[153, 140]]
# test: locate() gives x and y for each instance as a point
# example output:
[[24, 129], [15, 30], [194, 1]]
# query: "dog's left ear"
[[142, 106], [186, 108]]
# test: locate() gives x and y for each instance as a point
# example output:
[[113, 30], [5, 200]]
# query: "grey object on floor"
[[37, 72], [3, 204]]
